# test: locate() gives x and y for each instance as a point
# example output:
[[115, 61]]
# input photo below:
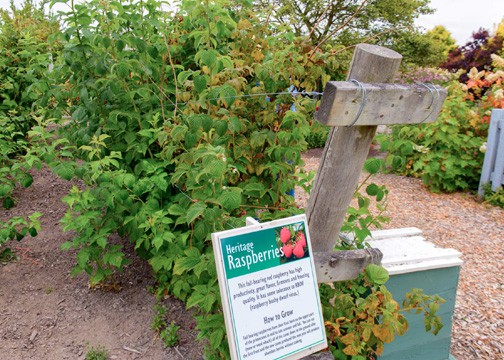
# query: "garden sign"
[[269, 290]]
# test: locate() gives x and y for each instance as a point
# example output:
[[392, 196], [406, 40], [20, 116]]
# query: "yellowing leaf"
[[383, 332]]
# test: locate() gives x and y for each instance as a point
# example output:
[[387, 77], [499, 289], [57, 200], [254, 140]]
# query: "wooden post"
[[347, 147]]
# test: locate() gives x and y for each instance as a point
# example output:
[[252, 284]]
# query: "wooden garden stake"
[[354, 109]]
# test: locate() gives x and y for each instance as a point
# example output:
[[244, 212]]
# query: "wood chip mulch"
[[476, 230]]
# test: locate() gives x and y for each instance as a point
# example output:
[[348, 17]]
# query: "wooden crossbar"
[[347, 103]]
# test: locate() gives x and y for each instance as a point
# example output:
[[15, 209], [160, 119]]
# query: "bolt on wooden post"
[[354, 109]]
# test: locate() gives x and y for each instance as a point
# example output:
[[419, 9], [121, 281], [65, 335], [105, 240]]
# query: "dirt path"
[[45, 314]]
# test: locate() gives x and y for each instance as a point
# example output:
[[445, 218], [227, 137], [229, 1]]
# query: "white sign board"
[[269, 290]]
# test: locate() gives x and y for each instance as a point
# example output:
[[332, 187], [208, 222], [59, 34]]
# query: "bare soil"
[[46, 314]]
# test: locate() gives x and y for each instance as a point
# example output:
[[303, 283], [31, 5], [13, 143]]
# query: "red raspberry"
[[301, 239], [285, 235], [298, 251], [287, 250]]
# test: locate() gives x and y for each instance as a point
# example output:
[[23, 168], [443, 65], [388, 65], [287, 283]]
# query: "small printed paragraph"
[[280, 336], [273, 289]]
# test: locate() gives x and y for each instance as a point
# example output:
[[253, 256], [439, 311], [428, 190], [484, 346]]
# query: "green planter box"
[[414, 262]]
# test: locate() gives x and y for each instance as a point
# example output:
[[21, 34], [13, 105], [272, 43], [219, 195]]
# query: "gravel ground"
[[476, 230]]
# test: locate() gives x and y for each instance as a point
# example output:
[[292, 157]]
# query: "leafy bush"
[[97, 353], [317, 136], [177, 136], [446, 154], [24, 60], [16, 228], [361, 316], [167, 333]]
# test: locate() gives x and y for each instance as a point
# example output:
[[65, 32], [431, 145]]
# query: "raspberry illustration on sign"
[[292, 242]]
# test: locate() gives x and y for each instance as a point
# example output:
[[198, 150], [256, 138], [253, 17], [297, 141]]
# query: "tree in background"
[[423, 49], [322, 19], [443, 38], [345, 23]]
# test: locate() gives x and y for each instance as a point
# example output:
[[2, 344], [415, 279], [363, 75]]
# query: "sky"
[[463, 17], [460, 17]]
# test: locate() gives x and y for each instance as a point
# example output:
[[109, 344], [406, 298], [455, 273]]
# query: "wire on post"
[[362, 90], [431, 87]]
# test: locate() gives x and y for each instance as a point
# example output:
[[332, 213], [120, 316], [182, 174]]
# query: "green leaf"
[[372, 165], [83, 257], [5, 189], [207, 57], [230, 198], [200, 83], [157, 241], [195, 299], [195, 211], [120, 45], [255, 188], [140, 45], [129, 180], [32, 231], [380, 195], [64, 170], [67, 245], [190, 140], [116, 259], [101, 242], [178, 132], [8, 203], [27, 180], [372, 189], [235, 125], [221, 127], [183, 76], [228, 94], [216, 337], [377, 274], [217, 168], [184, 264], [206, 122], [159, 262], [153, 52], [176, 210], [201, 230]]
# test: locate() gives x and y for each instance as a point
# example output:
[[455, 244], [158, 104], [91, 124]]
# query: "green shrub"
[[317, 136], [447, 154], [361, 315], [24, 60], [178, 138]]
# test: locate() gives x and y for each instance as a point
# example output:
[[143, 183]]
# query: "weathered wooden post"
[[355, 108]]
